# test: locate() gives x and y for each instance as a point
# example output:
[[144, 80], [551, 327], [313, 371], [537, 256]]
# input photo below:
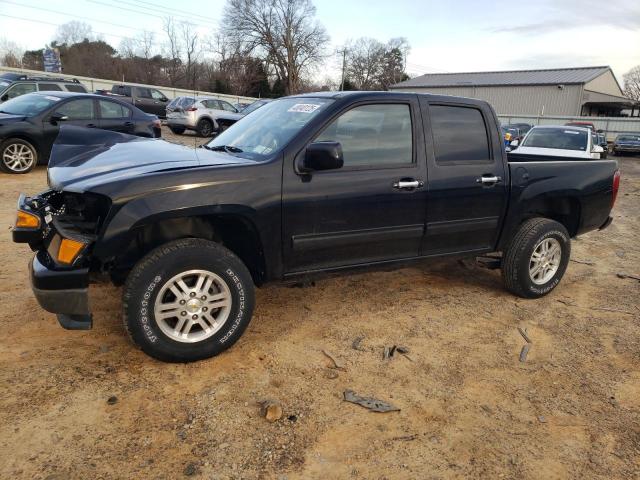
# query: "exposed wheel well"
[[564, 210], [235, 232]]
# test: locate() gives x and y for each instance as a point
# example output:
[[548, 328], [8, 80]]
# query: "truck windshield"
[[561, 138], [28, 105], [268, 129]]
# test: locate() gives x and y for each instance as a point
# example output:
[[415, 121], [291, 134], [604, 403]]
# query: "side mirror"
[[4, 97], [513, 144], [597, 149], [58, 117], [321, 156], [164, 99]]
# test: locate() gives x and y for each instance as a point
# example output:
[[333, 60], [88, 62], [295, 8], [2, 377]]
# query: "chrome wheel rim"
[[545, 261], [18, 157], [192, 306]]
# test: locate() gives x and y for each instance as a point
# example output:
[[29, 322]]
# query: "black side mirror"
[[321, 156], [58, 117], [5, 97]]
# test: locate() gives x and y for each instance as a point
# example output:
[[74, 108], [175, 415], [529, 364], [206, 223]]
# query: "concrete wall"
[[521, 100], [93, 84]]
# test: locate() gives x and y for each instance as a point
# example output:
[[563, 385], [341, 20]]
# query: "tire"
[[148, 290], [17, 156], [519, 264], [177, 130], [205, 128]]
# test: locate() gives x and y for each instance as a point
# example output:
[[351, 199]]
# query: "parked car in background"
[[309, 185], [241, 105], [227, 119], [510, 135], [147, 99], [560, 141], [13, 85], [601, 139], [207, 116], [522, 127], [29, 124], [627, 143]]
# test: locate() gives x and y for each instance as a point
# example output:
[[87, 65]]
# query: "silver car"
[[206, 115]]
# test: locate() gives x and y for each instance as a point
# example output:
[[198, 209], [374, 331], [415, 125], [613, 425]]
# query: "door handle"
[[128, 124], [408, 184], [489, 179], [91, 125]]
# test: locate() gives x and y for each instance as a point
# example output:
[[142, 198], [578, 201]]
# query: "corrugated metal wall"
[[93, 84], [519, 100]]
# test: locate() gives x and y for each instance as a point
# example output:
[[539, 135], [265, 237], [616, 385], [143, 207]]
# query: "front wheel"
[[187, 300], [17, 156], [537, 257]]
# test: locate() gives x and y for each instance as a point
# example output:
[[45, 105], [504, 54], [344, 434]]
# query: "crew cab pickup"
[[147, 99], [306, 185]]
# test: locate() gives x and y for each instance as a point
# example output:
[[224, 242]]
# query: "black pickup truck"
[[147, 99], [305, 185]]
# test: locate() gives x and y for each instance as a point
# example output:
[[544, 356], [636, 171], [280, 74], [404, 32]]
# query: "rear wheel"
[[187, 300], [177, 130], [535, 261], [17, 156], [205, 128]]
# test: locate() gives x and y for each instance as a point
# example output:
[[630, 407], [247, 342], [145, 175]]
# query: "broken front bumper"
[[63, 292]]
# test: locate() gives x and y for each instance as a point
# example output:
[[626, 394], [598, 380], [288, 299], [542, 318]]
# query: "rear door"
[[467, 179], [143, 99], [372, 209], [116, 117]]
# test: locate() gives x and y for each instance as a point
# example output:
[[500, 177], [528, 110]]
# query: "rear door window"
[[111, 110], [49, 87], [459, 135], [227, 106]]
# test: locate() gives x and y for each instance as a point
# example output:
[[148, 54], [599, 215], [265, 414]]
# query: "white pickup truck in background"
[[560, 141]]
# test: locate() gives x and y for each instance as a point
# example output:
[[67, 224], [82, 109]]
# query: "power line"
[[173, 10], [70, 15], [120, 7]]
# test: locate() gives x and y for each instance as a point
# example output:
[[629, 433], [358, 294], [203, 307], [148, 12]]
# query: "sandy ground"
[[469, 407]]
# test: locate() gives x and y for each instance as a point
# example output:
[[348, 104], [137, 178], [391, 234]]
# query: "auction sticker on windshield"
[[304, 108]]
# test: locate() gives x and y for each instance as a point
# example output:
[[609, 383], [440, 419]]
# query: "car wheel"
[[205, 128], [187, 300], [536, 258], [17, 156], [177, 130]]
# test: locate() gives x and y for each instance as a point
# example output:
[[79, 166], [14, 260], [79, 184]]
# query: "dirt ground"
[[469, 407]]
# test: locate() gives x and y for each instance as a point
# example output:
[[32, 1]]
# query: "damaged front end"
[[61, 227]]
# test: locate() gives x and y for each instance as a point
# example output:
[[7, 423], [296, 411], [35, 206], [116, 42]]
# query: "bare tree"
[[632, 83], [10, 53], [191, 48], [173, 50], [73, 32], [283, 33], [364, 62]]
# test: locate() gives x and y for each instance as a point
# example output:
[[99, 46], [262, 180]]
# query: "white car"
[[206, 115], [559, 141]]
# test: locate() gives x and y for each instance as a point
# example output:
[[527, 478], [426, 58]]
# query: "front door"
[[467, 178], [80, 112], [371, 210]]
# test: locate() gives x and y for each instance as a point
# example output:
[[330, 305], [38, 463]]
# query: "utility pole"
[[344, 64]]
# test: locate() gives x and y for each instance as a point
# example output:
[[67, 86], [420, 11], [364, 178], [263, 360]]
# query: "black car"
[[29, 124], [13, 85], [304, 186]]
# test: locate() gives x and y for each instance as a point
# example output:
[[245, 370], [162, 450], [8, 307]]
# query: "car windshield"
[[29, 104], [629, 138], [269, 128], [561, 138]]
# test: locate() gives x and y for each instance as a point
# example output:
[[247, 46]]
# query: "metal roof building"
[[592, 91]]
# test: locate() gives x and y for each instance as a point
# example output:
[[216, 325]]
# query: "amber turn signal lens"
[[27, 220], [69, 250]]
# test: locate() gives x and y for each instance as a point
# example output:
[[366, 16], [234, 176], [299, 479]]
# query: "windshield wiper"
[[223, 148]]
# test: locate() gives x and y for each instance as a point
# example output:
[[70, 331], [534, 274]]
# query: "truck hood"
[[83, 158], [552, 152]]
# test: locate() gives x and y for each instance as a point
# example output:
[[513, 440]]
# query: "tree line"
[[262, 48]]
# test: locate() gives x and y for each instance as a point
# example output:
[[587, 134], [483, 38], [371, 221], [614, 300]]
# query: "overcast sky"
[[445, 35]]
